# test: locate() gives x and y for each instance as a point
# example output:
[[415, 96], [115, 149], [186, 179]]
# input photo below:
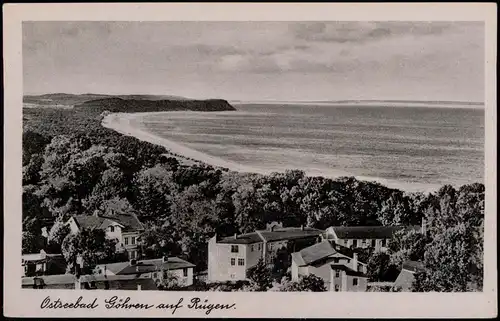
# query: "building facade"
[[230, 258], [124, 228], [376, 237], [337, 265], [155, 269]]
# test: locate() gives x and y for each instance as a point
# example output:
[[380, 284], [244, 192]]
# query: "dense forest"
[[73, 165]]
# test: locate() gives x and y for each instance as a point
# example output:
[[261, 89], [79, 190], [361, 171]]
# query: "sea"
[[413, 148]]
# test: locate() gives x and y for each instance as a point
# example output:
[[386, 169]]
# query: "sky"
[[257, 60]]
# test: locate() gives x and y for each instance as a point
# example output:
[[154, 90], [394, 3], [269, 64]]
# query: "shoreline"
[[129, 124]]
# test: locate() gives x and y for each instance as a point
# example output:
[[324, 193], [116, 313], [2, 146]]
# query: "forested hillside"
[[72, 165]]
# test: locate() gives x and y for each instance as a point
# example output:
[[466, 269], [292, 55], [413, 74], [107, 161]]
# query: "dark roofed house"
[[377, 237], [42, 263], [337, 265], [125, 228], [89, 282], [407, 275], [230, 257], [153, 269]]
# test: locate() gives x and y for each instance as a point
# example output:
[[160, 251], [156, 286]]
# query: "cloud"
[[357, 32]]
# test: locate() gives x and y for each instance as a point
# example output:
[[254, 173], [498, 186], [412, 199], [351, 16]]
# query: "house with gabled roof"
[[406, 277], [337, 265], [125, 228], [230, 257], [152, 268], [377, 237]]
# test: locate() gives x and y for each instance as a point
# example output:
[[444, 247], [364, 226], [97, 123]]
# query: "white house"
[[337, 265], [125, 228], [377, 237], [229, 258]]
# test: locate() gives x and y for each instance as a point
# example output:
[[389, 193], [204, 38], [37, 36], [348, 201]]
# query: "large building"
[[229, 258], [377, 237], [125, 228], [154, 269], [337, 265]]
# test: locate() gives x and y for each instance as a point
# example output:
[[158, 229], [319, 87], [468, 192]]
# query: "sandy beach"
[[131, 125]]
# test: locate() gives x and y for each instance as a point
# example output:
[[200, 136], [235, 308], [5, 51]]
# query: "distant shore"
[[131, 125], [369, 103]]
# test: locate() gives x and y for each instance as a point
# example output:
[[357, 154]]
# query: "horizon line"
[[274, 100]]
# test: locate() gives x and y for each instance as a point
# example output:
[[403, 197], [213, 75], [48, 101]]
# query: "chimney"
[[137, 268], [133, 262], [272, 228], [138, 287], [164, 259], [302, 227], [355, 261], [96, 213], [235, 235]]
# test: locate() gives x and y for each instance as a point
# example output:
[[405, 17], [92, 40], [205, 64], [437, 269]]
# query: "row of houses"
[[329, 254], [130, 275]]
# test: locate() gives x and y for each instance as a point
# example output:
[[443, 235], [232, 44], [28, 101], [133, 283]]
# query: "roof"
[[413, 266], [348, 270], [407, 274], [320, 251], [146, 266], [116, 282], [369, 232], [51, 279], [279, 234], [128, 221], [404, 280]]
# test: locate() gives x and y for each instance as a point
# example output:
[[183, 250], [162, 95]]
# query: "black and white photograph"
[[253, 156]]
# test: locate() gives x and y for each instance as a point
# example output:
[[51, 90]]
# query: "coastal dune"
[[130, 124]]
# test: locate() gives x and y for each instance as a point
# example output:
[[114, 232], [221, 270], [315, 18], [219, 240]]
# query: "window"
[[355, 281], [241, 262], [234, 248], [251, 248], [363, 243], [355, 243], [133, 240], [259, 247], [155, 275], [185, 272], [337, 288], [337, 273], [384, 242], [373, 243], [132, 255], [126, 241], [111, 228], [233, 261]]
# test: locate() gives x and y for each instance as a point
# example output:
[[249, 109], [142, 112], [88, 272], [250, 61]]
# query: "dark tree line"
[[72, 165]]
